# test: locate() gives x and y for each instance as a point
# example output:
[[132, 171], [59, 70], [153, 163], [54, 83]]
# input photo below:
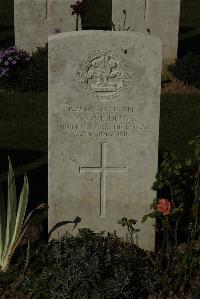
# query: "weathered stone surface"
[[60, 16], [36, 19], [104, 100], [30, 24], [161, 17]]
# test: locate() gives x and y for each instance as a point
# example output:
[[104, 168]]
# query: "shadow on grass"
[[189, 32], [179, 123], [5, 28], [18, 158]]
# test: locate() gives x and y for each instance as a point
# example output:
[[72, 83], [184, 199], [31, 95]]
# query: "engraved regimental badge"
[[105, 74]]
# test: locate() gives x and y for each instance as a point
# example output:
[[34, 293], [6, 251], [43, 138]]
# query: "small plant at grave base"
[[124, 26], [15, 229], [90, 265], [77, 10], [178, 223], [129, 223], [12, 60]]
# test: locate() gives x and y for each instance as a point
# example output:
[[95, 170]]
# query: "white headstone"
[[36, 19], [104, 101], [159, 17]]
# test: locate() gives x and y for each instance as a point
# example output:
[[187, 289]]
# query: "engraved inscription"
[[103, 170], [105, 74], [99, 121]]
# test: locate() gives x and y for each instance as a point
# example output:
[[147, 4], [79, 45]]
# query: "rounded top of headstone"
[[107, 33]]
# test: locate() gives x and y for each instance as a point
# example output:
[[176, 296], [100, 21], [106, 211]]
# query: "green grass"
[[7, 12], [6, 23], [23, 121], [189, 33], [190, 16], [23, 135], [179, 122]]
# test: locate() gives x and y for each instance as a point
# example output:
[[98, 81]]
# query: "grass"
[[7, 12], [6, 23], [23, 119], [23, 136], [189, 34], [190, 12], [179, 122]]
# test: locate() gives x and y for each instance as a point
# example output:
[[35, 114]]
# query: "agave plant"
[[11, 218]]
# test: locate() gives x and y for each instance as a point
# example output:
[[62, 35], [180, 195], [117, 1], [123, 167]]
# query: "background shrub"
[[187, 69], [12, 60], [35, 77], [30, 73]]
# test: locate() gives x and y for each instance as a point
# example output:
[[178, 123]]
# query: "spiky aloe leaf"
[[23, 200], [42, 206], [2, 222], [11, 208]]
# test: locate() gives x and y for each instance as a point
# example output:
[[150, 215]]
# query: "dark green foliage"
[[175, 181], [90, 266], [195, 286], [32, 76], [187, 69], [35, 77], [178, 232]]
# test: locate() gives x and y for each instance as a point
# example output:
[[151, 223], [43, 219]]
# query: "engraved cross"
[[103, 170]]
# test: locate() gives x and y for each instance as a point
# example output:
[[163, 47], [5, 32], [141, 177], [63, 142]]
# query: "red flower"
[[164, 206], [77, 8]]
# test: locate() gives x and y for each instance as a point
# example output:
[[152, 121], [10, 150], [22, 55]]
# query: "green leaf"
[[11, 208], [23, 200], [19, 220], [188, 162], [145, 217], [176, 210], [2, 221], [153, 215]]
